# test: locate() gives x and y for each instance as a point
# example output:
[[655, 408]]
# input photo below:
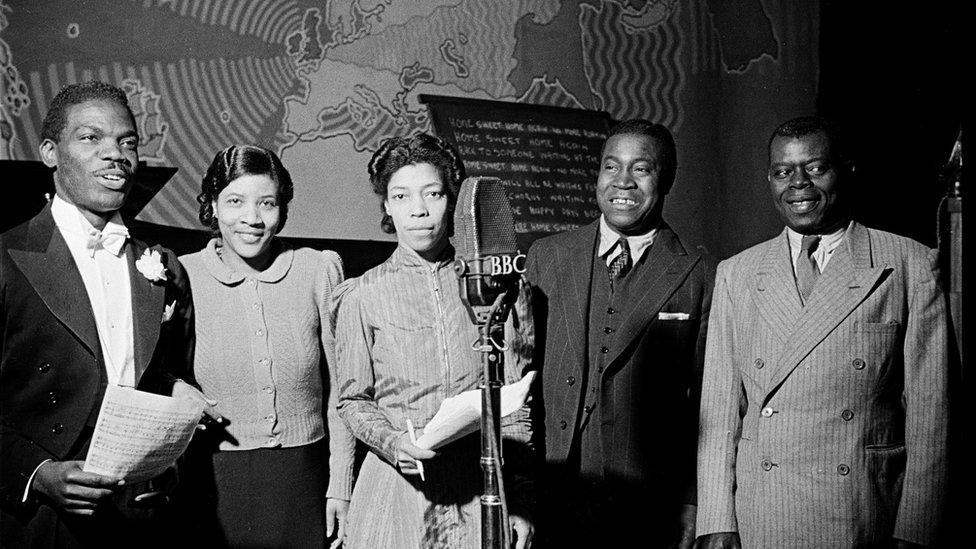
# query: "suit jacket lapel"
[[147, 310], [574, 263], [50, 269], [656, 277], [775, 290], [848, 279]]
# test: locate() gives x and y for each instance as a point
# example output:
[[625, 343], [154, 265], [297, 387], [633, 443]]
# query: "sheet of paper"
[[461, 415], [138, 434]]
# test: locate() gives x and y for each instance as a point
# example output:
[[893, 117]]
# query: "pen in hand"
[[413, 440]]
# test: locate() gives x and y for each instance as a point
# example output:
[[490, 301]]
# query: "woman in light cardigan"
[[283, 461]]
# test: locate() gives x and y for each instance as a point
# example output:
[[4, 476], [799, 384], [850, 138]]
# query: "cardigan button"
[[760, 363], [57, 428], [44, 367], [847, 415], [570, 380], [563, 424], [843, 469], [858, 363]]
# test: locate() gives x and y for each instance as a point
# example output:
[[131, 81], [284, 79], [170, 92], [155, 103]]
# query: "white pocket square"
[[168, 312], [672, 316]]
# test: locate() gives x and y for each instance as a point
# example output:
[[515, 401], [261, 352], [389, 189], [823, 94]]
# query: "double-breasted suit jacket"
[[52, 375], [826, 425], [651, 360]]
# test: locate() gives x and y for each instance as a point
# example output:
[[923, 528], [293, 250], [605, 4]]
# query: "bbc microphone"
[[488, 262], [488, 265]]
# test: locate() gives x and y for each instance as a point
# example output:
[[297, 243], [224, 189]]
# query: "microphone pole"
[[491, 345], [488, 267]]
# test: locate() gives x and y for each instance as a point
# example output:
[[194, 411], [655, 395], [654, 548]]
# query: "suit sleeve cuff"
[[30, 481]]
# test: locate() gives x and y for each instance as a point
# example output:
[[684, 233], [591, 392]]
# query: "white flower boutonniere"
[[151, 266]]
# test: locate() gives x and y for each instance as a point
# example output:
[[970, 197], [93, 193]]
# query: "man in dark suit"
[[622, 309], [82, 306]]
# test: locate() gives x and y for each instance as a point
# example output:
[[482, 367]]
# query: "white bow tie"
[[111, 239]]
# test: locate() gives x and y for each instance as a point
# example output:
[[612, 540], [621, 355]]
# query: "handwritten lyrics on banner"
[[546, 157]]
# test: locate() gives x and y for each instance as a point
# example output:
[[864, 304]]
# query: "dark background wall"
[[895, 79]]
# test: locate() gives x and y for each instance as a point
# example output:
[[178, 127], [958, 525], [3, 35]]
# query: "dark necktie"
[[621, 264], [806, 267]]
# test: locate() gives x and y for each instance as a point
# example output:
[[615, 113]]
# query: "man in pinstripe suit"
[[622, 312], [824, 411]]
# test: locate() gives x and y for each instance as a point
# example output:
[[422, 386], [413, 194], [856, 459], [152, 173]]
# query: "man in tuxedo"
[[622, 309], [824, 410], [82, 306]]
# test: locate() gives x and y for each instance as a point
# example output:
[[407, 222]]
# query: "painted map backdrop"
[[324, 82]]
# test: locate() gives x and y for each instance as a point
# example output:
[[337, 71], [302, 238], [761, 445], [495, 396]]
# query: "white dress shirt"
[[105, 272], [609, 250], [825, 248]]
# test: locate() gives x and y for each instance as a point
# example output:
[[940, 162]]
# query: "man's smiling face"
[[629, 189], [805, 181]]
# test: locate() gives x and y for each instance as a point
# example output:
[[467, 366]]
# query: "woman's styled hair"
[[397, 152], [237, 161]]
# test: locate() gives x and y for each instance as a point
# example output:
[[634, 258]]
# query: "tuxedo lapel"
[[657, 276], [848, 279], [777, 298], [46, 262], [147, 309]]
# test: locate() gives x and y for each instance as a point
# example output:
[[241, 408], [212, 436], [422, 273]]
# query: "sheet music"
[[461, 415], [138, 435]]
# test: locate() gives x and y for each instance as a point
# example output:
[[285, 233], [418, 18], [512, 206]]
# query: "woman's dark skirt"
[[272, 497]]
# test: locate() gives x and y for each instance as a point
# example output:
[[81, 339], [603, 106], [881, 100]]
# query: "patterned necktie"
[[620, 265], [806, 267]]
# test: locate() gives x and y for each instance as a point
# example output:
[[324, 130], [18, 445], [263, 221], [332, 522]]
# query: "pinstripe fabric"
[[826, 426], [648, 387], [403, 345]]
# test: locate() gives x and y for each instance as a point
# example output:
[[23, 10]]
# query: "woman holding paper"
[[403, 345], [264, 353]]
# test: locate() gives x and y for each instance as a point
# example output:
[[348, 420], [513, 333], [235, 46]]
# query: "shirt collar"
[[78, 230], [638, 244], [406, 257], [828, 242], [227, 275]]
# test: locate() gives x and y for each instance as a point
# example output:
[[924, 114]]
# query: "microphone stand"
[[491, 344]]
